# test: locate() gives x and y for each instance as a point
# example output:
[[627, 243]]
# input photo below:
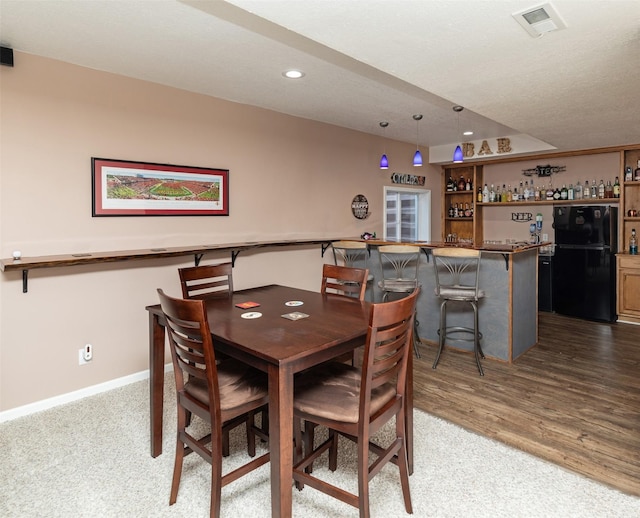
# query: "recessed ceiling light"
[[468, 133], [293, 74]]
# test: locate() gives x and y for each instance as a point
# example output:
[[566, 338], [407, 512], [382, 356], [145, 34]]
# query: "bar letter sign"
[[407, 179]]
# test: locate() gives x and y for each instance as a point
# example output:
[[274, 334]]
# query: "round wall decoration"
[[360, 207]]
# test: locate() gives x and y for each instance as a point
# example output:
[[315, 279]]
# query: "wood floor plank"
[[574, 399]]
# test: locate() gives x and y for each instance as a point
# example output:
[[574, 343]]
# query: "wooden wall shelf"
[[586, 201], [56, 261]]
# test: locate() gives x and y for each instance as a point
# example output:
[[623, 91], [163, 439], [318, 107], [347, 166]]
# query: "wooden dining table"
[[279, 346]]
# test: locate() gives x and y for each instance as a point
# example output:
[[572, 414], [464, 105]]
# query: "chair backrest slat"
[[389, 342], [191, 345], [211, 280], [343, 280]]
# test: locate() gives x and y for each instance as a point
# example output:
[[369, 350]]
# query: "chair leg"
[[177, 472], [416, 336], [363, 476], [216, 478], [442, 332], [403, 464], [298, 450], [177, 463], [333, 451], [251, 434], [308, 442], [476, 339]]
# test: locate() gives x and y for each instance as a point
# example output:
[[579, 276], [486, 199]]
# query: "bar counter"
[[508, 314]]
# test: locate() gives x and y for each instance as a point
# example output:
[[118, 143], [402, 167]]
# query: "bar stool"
[[399, 265], [353, 254], [457, 280]]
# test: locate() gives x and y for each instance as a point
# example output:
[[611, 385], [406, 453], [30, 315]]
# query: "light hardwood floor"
[[574, 399]]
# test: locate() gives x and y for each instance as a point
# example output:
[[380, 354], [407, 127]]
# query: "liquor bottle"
[[485, 194], [509, 193], [450, 184], [462, 185], [479, 197], [628, 174], [578, 193], [601, 189], [525, 192], [633, 243], [492, 194], [515, 195], [455, 211], [469, 185], [571, 192], [451, 210], [503, 194], [467, 210], [536, 194], [549, 195], [594, 189], [564, 193], [616, 188], [636, 174], [586, 192], [556, 194], [608, 190]]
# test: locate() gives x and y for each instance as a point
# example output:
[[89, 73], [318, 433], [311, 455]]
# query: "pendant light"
[[384, 162], [417, 158], [458, 157]]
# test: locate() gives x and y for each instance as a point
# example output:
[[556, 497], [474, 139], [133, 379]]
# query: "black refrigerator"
[[584, 264]]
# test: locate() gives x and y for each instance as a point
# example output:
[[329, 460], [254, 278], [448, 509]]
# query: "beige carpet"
[[91, 458]]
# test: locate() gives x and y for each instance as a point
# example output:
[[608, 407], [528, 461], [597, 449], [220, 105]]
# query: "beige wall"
[[289, 178]]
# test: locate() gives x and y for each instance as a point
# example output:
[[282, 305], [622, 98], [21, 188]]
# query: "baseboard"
[[62, 399]]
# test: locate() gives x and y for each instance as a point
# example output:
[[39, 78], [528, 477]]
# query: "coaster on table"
[[296, 315], [251, 314]]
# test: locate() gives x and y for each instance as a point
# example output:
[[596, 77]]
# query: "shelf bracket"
[[25, 278], [324, 247], [506, 261], [197, 258], [234, 254]]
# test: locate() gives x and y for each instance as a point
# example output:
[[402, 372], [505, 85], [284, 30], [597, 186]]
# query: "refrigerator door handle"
[[583, 247]]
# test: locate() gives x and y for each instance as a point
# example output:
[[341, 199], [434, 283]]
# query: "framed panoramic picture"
[[126, 188]]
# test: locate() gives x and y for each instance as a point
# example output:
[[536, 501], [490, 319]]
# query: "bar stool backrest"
[[457, 273], [399, 262], [353, 254]]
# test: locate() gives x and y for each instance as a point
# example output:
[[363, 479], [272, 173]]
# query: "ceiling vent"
[[539, 20]]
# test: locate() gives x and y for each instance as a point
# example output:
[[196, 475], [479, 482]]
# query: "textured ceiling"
[[368, 60]]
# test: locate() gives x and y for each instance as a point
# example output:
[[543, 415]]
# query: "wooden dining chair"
[[221, 393], [211, 280], [344, 280], [356, 403]]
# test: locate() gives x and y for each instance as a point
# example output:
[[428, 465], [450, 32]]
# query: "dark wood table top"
[[332, 320]]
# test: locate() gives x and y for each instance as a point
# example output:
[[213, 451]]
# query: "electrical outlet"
[[85, 355]]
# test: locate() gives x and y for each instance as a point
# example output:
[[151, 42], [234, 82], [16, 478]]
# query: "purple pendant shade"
[[384, 162], [457, 155], [417, 159]]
